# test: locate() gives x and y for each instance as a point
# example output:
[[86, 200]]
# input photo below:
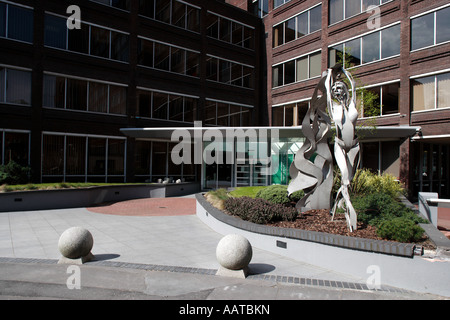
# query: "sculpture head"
[[339, 91]]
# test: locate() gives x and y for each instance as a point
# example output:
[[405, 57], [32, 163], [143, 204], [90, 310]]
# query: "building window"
[[166, 106], [277, 3], [229, 72], [83, 95], [296, 27], [303, 68], [368, 48], [261, 7], [119, 4], [229, 31], [344, 9], [14, 146], [16, 22], [92, 40], [165, 57], [430, 29], [431, 92], [226, 114], [15, 86], [290, 114], [387, 100], [174, 12]]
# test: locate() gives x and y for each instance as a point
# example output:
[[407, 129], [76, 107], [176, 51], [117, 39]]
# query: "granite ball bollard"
[[234, 253], [75, 245]]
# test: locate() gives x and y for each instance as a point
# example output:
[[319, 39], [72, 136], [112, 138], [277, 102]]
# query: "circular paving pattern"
[[149, 207]]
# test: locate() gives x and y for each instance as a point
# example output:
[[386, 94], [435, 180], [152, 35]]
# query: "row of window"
[[82, 95], [305, 67], [159, 105], [90, 39], [430, 29], [229, 31], [228, 72], [82, 158], [344, 9], [168, 58], [153, 162], [431, 92], [368, 48], [226, 115], [298, 26], [15, 86]]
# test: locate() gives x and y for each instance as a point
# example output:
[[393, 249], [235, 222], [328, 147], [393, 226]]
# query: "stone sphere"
[[75, 243], [234, 252]]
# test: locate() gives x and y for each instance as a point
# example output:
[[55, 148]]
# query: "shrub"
[[278, 194], [217, 198], [258, 210], [400, 229], [13, 173]]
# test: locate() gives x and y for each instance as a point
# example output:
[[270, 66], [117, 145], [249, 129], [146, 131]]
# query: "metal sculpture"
[[312, 168]]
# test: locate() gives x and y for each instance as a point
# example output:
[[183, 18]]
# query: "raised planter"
[[91, 196]]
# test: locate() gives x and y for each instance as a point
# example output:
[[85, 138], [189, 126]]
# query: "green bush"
[[400, 229], [13, 173], [278, 194], [258, 210]]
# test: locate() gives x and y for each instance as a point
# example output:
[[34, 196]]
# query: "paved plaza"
[[169, 254]]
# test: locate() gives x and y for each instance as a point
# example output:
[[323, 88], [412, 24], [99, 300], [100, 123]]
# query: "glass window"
[[193, 19], [55, 34], [211, 69], [371, 47], [352, 7], [212, 22], [162, 56], [54, 91], [443, 87], [224, 71], [175, 108], [117, 100], [145, 104], [390, 98], [278, 116], [222, 114], [98, 97], [16, 148], [100, 42], [145, 53], [302, 108], [20, 23], [248, 38], [2, 84], [443, 25], [159, 159], [75, 155], [147, 8], [289, 33], [237, 36], [52, 155], [116, 156], [76, 97], [367, 3], [142, 157], [192, 62], [278, 35], [121, 4], [160, 104], [96, 156], [289, 72], [422, 31], [236, 74], [246, 116], [277, 76], [178, 14], [390, 41], [190, 109], [210, 113], [315, 65], [120, 46], [2, 20], [423, 93], [289, 115], [315, 19], [18, 87], [353, 52], [178, 60], [79, 39], [224, 29], [335, 55], [373, 108], [247, 75], [162, 10], [336, 11]]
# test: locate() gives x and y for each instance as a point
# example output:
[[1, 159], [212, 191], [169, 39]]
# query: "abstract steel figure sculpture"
[[316, 178]]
